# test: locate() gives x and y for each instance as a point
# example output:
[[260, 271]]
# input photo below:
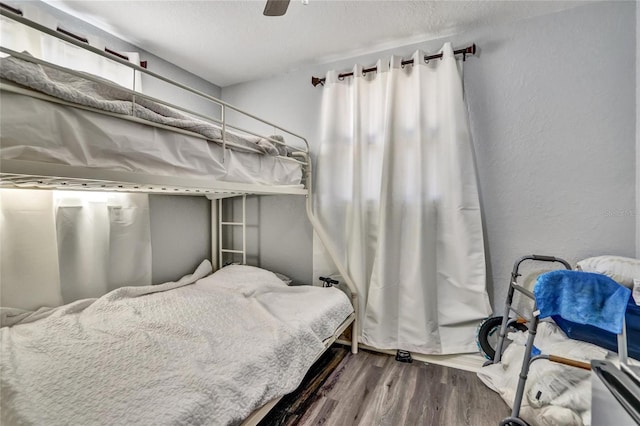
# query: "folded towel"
[[582, 297]]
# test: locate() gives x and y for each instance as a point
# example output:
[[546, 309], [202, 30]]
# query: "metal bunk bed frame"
[[40, 175]]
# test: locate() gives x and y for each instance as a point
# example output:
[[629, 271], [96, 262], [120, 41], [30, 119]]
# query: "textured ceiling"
[[228, 42]]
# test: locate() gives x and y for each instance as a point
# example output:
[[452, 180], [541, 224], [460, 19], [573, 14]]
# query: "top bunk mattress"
[[56, 115], [41, 130]]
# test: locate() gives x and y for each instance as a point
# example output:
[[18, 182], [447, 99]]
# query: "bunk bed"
[[54, 136]]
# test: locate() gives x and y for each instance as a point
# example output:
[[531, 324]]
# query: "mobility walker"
[[604, 339]]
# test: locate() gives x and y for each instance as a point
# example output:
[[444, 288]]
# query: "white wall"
[[637, 212], [553, 123]]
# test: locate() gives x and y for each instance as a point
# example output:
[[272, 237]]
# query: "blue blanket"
[[583, 298]]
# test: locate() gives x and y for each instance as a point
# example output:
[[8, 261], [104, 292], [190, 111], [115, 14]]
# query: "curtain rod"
[[469, 50]]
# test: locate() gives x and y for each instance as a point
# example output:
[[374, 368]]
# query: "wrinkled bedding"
[[105, 97], [198, 351], [555, 394]]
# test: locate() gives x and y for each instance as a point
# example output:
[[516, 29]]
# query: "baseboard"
[[468, 362]]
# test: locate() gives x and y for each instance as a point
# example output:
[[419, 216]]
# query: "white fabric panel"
[[60, 246], [397, 189], [28, 251], [104, 242], [21, 38], [85, 138]]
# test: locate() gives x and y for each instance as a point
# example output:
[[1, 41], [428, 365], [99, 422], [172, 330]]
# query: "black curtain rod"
[[11, 9], [469, 50]]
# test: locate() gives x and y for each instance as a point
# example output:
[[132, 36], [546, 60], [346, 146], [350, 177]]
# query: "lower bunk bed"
[[216, 349]]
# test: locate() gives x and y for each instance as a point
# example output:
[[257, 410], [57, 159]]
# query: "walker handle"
[[571, 362], [544, 258]]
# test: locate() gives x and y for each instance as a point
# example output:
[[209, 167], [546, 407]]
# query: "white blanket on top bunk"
[[103, 96], [206, 353]]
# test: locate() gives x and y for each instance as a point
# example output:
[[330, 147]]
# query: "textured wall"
[[552, 116], [553, 124]]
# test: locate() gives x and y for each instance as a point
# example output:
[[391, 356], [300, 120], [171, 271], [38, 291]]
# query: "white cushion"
[[621, 269]]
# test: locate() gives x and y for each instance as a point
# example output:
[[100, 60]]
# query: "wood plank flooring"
[[374, 389]]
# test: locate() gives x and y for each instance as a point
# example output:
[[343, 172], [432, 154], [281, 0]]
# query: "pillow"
[[621, 269], [285, 279]]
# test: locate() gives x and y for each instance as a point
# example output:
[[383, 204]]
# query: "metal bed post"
[[223, 116], [220, 218], [317, 226], [214, 235], [244, 229]]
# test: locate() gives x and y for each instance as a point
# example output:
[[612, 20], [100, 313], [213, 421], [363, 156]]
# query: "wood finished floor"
[[374, 389]]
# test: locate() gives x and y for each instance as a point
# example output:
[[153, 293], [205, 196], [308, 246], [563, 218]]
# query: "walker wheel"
[[513, 421], [489, 333]]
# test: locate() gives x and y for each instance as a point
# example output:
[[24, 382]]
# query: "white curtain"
[[61, 246], [397, 193], [21, 38]]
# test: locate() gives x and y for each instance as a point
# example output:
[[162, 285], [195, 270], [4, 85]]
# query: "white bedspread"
[[177, 353], [555, 394], [103, 96], [105, 142]]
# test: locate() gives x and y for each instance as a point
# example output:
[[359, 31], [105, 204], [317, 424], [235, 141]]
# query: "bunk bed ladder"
[[221, 226]]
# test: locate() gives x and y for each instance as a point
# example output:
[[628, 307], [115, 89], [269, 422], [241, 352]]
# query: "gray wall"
[[180, 235], [276, 224], [180, 225], [553, 124]]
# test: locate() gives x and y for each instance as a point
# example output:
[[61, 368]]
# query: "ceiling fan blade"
[[275, 7]]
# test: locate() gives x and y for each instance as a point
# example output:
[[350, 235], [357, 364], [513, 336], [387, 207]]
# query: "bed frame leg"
[[354, 326], [354, 340]]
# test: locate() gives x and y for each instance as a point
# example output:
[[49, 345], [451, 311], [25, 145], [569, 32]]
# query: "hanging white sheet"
[[21, 38], [61, 246], [28, 250], [104, 242], [397, 193]]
